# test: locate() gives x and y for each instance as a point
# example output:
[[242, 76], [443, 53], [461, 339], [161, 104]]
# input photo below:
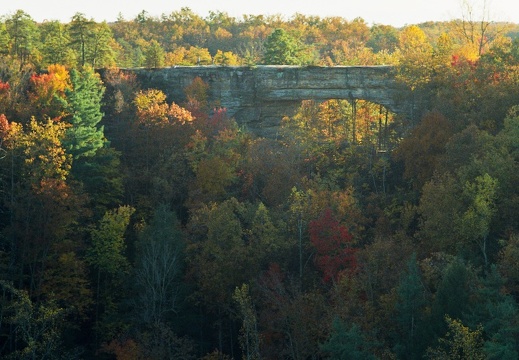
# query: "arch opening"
[[345, 122]]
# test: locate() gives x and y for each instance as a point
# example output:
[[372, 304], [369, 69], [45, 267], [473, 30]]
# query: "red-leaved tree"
[[335, 255]]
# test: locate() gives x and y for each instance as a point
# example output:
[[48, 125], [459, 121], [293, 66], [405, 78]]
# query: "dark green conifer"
[[84, 137], [410, 306], [347, 342]]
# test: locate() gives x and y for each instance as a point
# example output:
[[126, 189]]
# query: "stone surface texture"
[[258, 97]]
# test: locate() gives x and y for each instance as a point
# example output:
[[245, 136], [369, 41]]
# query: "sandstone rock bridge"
[[258, 97]]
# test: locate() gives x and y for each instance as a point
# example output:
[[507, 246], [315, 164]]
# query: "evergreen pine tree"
[[84, 137], [410, 305], [346, 342], [4, 40], [498, 313], [81, 33], [452, 296]]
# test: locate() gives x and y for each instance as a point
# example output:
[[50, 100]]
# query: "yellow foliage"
[[176, 57], [226, 58], [180, 114], [60, 77], [469, 51], [153, 109], [42, 148], [460, 343], [145, 100], [178, 32], [9, 132], [221, 33], [198, 56], [412, 38], [260, 32], [415, 57]]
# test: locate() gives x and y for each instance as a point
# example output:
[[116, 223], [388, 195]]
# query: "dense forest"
[[133, 227]]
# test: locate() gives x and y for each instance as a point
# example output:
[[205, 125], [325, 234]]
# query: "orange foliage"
[[5, 90], [4, 126], [179, 114], [4, 87], [330, 115], [46, 87], [60, 77], [57, 80], [152, 109], [123, 350]]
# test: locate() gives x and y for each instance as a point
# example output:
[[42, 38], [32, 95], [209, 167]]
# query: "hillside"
[[133, 226]]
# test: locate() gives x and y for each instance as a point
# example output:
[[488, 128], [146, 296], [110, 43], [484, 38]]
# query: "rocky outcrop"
[[258, 97]]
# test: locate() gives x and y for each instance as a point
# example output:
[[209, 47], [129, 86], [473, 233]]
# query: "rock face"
[[259, 97]]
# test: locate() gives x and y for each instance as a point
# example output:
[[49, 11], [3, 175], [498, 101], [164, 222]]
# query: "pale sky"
[[389, 12]]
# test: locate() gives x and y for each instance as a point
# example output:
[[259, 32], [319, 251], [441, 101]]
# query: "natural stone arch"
[[259, 97]]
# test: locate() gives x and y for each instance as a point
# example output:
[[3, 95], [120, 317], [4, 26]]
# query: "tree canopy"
[[138, 226]]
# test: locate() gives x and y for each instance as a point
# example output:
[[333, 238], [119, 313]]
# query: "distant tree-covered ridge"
[[186, 38]]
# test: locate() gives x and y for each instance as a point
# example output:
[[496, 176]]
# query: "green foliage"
[[383, 38], [106, 255], [507, 262], [23, 35], [107, 251], [283, 49], [37, 325], [101, 53], [249, 340], [154, 55], [475, 221], [244, 203], [459, 343], [452, 297], [347, 342], [498, 314], [4, 40], [101, 178], [213, 176], [410, 309], [264, 235], [55, 39], [84, 137], [160, 263], [81, 33], [220, 259]]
